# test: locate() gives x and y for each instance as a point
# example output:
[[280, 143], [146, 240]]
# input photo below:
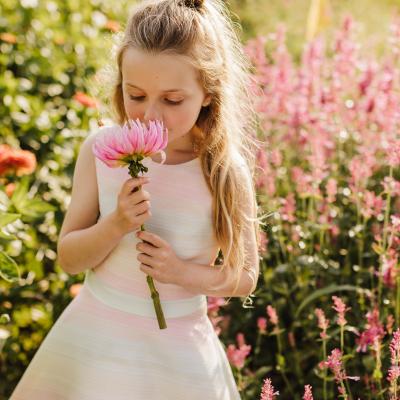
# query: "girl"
[[180, 62]]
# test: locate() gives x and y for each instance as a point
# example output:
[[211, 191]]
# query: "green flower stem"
[[240, 381], [345, 396], [387, 211], [397, 300], [342, 338], [385, 225], [349, 395], [281, 362], [311, 217], [258, 340], [377, 374], [325, 377], [156, 298], [135, 166], [361, 243], [283, 247]]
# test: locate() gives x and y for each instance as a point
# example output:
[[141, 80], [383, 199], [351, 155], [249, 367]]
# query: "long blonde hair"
[[225, 131]]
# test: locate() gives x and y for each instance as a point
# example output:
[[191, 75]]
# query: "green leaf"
[[3, 196], [282, 289], [7, 236], [20, 192], [8, 268], [322, 292], [263, 371], [35, 208], [377, 249], [7, 218], [280, 359]]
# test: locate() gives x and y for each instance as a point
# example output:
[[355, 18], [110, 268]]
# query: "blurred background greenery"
[[260, 17]]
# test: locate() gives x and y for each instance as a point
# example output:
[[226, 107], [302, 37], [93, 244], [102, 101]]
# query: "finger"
[[148, 249], [139, 196], [146, 259], [152, 238], [140, 208], [132, 183], [147, 270]]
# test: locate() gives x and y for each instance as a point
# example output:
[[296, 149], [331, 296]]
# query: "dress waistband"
[[141, 306]]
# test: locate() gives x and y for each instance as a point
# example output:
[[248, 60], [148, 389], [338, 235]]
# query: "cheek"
[[129, 105], [186, 116], [133, 111]]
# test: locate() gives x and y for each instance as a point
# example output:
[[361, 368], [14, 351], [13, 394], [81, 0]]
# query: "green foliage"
[[54, 50], [49, 51]]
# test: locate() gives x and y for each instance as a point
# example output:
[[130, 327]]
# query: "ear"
[[206, 101]]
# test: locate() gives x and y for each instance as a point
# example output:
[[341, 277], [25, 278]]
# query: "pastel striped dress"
[[107, 344]]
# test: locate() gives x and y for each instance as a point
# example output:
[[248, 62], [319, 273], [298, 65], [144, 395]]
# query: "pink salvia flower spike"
[[308, 393], [267, 391], [394, 370], [128, 146]]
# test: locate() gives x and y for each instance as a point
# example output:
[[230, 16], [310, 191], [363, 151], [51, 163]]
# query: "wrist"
[[200, 279], [116, 227], [182, 277]]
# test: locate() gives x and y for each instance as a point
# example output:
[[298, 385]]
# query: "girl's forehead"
[[172, 70]]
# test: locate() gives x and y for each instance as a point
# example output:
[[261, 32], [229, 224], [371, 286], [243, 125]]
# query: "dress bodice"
[[181, 207]]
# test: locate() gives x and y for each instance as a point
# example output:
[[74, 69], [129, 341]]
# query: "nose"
[[152, 113]]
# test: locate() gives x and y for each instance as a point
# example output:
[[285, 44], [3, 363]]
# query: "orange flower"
[[10, 189], [59, 40], [112, 25], [85, 100], [4, 149], [20, 162], [8, 37], [74, 289]]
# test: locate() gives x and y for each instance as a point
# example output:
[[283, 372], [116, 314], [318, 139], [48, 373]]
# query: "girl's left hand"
[[158, 259]]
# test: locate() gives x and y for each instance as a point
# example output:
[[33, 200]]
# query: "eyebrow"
[[164, 91]]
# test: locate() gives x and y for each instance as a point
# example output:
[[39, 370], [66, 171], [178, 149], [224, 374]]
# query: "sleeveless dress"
[[107, 344]]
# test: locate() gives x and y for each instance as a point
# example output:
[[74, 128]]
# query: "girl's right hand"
[[133, 208]]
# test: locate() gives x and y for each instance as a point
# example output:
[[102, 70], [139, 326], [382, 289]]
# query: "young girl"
[[180, 62]]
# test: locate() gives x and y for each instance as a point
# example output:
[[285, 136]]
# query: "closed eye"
[[140, 98]]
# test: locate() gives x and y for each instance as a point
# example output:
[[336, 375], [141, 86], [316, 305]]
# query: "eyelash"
[[172, 103]]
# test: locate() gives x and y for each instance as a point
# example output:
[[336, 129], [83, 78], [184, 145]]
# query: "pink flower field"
[[326, 312]]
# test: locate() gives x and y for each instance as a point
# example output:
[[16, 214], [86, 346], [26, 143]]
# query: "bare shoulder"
[[83, 210]]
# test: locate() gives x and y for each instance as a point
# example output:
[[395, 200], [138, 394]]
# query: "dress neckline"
[[192, 161]]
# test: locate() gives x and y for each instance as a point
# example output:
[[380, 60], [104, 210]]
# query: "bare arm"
[[212, 280], [85, 242], [86, 248]]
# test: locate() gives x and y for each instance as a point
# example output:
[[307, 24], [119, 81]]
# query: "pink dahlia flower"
[[131, 143]]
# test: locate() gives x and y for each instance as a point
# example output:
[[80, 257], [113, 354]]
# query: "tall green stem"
[[341, 338], [134, 168], [385, 224], [281, 365], [397, 300], [324, 357], [348, 389]]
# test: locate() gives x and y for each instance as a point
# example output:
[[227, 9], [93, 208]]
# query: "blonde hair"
[[225, 131]]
